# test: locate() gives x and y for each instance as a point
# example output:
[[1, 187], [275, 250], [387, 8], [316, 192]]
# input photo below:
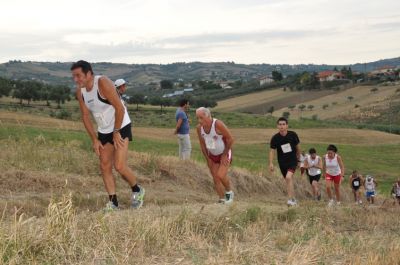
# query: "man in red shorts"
[[216, 142]]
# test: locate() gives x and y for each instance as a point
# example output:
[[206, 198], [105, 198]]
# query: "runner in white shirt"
[[313, 165]]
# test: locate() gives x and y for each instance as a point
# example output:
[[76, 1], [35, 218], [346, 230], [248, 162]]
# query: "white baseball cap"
[[119, 82]]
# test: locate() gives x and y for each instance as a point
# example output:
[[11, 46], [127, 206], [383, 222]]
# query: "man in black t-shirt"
[[287, 145]]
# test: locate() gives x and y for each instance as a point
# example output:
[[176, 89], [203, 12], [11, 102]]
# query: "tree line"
[[33, 90]]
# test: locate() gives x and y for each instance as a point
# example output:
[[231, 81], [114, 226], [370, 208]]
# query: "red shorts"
[[217, 159], [335, 179]]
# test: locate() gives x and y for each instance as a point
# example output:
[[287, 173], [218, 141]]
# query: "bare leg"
[[289, 184], [328, 188], [337, 191], [106, 163], [219, 187], [121, 163]]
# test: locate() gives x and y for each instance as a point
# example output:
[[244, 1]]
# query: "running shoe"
[[221, 201], [137, 198], [229, 197], [292, 202], [331, 203], [110, 207], [319, 197]]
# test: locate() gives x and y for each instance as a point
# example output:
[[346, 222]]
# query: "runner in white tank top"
[[313, 165], [333, 169], [216, 142], [97, 95], [102, 110]]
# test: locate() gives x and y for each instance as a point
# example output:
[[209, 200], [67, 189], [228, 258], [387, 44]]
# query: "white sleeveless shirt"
[[369, 185], [102, 110], [214, 142], [332, 166], [312, 170]]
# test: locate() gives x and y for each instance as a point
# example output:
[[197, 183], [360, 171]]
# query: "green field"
[[378, 160]]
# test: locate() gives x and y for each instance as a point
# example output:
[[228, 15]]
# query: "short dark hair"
[[183, 102], [332, 147], [312, 151], [282, 119], [85, 66]]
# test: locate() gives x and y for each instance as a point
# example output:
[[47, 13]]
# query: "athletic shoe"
[[137, 198], [360, 201], [292, 202], [110, 207], [229, 197], [319, 197], [221, 201], [338, 203], [331, 203]]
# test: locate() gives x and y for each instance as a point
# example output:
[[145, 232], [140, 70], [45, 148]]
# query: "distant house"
[[383, 71], [330, 76], [223, 84], [188, 90], [265, 80]]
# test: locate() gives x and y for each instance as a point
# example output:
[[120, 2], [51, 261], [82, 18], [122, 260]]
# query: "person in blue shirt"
[[182, 130]]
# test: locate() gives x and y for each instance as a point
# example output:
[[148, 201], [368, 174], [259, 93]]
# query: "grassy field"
[[340, 105], [51, 195]]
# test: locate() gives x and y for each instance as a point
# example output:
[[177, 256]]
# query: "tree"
[[291, 107], [310, 107], [5, 86], [302, 107], [277, 76], [162, 102], [60, 94], [26, 90], [137, 99], [166, 84], [350, 98], [325, 106], [271, 110], [286, 114]]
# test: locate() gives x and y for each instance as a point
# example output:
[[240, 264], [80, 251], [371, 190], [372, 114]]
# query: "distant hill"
[[140, 74]]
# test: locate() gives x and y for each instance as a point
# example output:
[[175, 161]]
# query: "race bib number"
[[356, 183], [286, 148], [210, 143]]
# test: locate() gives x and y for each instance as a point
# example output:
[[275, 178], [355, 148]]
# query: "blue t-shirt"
[[180, 114]]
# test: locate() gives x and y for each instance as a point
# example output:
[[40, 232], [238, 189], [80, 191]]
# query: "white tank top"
[[370, 185], [312, 170], [397, 189], [332, 166], [102, 110], [214, 143]]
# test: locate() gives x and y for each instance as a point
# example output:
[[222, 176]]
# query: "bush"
[[314, 117], [356, 106], [325, 106], [286, 114]]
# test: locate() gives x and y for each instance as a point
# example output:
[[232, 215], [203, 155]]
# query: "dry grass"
[[51, 195], [362, 97]]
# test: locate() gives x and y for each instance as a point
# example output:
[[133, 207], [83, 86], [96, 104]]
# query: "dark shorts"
[[126, 132], [355, 188], [314, 178], [287, 168]]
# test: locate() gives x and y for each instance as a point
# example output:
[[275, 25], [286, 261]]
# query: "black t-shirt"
[[286, 147]]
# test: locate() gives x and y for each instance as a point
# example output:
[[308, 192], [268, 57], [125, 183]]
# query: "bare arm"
[[87, 122], [221, 129], [178, 125], [108, 91], [319, 163], [202, 144], [306, 165], [341, 165], [271, 159]]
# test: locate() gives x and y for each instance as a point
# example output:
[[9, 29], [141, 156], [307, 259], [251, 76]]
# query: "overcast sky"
[[165, 31]]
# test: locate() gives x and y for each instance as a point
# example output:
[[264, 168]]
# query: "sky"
[[167, 31]]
